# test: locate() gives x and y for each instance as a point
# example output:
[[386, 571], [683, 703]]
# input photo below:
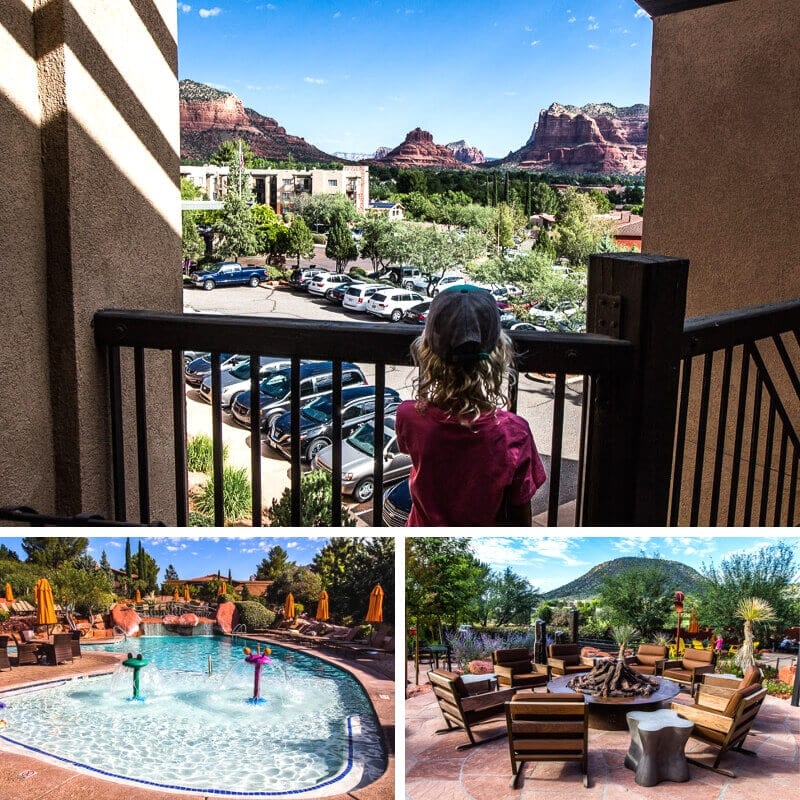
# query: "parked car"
[[391, 303], [229, 273], [547, 311], [316, 420], [513, 324], [301, 277], [397, 505], [323, 283], [237, 380], [336, 295], [357, 294], [446, 281], [200, 368], [416, 315], [191, 355], [358, 460], [316, 378]]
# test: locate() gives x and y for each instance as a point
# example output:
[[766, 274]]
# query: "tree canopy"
[[53, 551]]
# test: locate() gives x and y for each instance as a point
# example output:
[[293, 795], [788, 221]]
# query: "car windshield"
[[320, 410], [378, 298], [242, 372], [275, 386], [364, 439]]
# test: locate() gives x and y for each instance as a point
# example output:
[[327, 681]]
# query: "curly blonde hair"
[[464, 391]]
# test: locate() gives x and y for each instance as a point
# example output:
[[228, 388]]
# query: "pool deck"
[[436, 771], [26, 778]]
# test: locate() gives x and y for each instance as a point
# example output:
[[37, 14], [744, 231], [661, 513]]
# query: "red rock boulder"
[[126, 618], [227, 617]]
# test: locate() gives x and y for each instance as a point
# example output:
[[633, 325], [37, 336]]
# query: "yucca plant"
[[200, 454], [753, 610], [236, 493], [622, 635]]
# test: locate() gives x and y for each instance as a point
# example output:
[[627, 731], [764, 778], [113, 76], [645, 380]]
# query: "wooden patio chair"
[[4, 662], [27, 652], [515, 668], [566, 659], [722, 717], [547, 727], [60, 650], [648, 660], [75, 644], [463, 709], [688, 669]]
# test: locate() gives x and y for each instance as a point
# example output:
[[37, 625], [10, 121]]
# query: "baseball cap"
[[463, 325]]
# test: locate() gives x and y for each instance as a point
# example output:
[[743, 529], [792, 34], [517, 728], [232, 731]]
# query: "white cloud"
[[592, 26], [184, 7], [528, 29], [114, 544], [572, 19], [337, 15], [640, 12], [634, 44], [254, 88], [209, 12], [317, 81], [504, 551], [591, 19], [535, 42], [229, 549], [593, 46], [290, 545]]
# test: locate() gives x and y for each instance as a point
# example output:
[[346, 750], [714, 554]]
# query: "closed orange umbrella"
[[45, 607], [694, 624], [288, 606], [138, 598], [186, 595], [322, 606], [9, 594], [175, 595], [375, 613], [223, 588]]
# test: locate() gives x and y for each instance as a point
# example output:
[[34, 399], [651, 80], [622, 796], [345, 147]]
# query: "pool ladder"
[[124, 635], [239, 629]]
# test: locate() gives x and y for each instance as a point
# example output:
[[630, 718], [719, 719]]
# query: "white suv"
[[448, 280], [322, 284], [356, 297], [391, 303]]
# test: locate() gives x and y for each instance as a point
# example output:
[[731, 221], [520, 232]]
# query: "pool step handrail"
[[124, 635], [240, 628]]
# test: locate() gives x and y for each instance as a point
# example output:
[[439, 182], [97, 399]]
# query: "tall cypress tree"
[[128, 563]]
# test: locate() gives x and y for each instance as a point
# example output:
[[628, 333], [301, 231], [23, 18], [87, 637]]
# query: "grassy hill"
[[588, 585]]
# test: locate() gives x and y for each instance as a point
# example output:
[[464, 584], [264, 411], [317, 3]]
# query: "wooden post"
[[574, 616], [631, 416]]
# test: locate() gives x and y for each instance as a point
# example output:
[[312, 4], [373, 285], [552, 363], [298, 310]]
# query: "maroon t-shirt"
[[459, 473]]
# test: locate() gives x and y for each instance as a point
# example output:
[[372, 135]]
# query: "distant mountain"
[[597, 138], [209, 117], [419, 150], [465, 152], [588, 585]]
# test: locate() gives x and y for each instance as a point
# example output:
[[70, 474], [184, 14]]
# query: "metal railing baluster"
[[744, 377], [336, 461], [294, 432], [117, 435], [377, 478], [762, 514], [255, 441], [555, 454], [776, 520], [702, 425], [722, 424], [142, 461], [677, 470], [751, 466], [216, 437], [179, 440]]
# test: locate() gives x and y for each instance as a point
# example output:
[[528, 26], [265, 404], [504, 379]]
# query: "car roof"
[[355, 392], [310, 368]]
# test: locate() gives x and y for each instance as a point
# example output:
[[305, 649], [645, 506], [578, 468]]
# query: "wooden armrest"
[[710, 679], [478, 702], [588, 661], [702, 670], [670, 663], [556, 662], [506, 672], [702, 718]]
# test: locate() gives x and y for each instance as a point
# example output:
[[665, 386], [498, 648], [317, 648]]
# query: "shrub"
[[276, 273], [358, 272], [254, 615], [236, 493], [200, 454], [4, 614], [467, 646], [198, 520], [778, 688], [319, 238], [316, 489]]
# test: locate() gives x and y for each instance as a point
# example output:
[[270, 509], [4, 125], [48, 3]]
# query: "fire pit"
[[612, 677], [608, 712]]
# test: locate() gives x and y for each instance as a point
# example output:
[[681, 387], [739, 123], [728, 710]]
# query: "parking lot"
[[535, 392]]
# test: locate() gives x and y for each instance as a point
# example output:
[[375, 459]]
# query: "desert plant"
[[753, 610], [316, 490], [198, 520], [622, 635], [254, 615], [236, 494], [200, 454]]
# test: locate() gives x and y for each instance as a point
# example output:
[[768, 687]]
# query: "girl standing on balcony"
[[473, 463]]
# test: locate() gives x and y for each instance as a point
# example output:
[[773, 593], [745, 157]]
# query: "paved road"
[[535, 395]]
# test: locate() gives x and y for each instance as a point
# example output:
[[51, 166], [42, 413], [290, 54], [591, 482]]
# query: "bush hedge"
[[254, 616]]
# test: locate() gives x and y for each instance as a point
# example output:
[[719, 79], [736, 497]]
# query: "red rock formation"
[[597, 138], [210, 117], [465, 152], [126, 618], [419, 150], [227, 617]]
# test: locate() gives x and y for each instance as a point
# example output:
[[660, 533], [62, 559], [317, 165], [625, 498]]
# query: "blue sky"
[[353, 75], [549, 562]]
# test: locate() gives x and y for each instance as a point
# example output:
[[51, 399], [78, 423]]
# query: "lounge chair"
[[649, 659], [547, 727], [373, 642], [60, 650], [722, 717], [566, 659], [515, 668], [688, 669], [27, 652], [463, 709], [4, 662], [75, 644]]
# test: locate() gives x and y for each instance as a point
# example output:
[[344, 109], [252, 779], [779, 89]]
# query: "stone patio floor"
[[436, 771], [23, 777]]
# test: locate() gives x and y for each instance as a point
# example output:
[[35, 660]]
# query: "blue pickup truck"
[[229, 273]]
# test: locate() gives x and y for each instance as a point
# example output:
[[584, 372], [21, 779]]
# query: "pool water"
[[315, 734]]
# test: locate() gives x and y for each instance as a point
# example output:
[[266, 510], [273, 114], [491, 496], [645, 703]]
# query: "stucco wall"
[[102, 78], [722, 190]]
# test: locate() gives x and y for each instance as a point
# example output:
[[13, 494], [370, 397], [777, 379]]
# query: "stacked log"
[[612, 677]]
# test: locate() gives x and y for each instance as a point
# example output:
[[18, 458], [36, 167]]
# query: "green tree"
[[304, 585], [277, 561], [300, 242], [514, 599], [767, 574], [228, 153], [271, 232], [323, 209], [544, 244], [85, 562], [6, 554], [106, 567], [377, 240], [316, 489], [412, 180], [640, 596], [128, 559], [52, 551], [170, 574], [88, 591], [193, 246], [544, 612], [236, 227], [601, 201], [341, 245]]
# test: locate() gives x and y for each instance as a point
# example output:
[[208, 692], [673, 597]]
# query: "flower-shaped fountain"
[[257, 659], [136, 665]]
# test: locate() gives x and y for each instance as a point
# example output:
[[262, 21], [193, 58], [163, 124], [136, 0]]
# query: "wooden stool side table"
[[656, 751]]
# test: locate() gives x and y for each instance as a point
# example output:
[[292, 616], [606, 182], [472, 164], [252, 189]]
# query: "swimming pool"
[[315, 734]]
